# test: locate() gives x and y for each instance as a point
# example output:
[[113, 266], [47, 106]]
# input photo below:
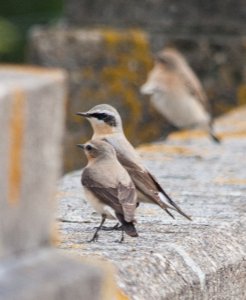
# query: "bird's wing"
[[194, 87], [149, 186], [121, 198]]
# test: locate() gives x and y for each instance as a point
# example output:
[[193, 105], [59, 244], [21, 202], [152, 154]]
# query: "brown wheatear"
[[108, 187], [107, 125], [177, 93]]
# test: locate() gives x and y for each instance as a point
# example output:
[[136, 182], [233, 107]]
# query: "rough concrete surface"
[[176, 259]]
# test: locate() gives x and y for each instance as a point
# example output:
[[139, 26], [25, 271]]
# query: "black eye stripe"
[[99, 116], [110, 120]]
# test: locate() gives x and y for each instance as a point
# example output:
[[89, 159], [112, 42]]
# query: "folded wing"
[[149, 186], [121, 198]]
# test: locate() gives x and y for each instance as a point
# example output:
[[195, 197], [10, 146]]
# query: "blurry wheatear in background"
[[177, 93], [107, 125], [108, 187]]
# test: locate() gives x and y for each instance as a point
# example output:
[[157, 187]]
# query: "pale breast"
[[99, 207], [181, 110]]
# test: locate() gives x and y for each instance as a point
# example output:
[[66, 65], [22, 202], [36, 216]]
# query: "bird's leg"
[[122, 235], [115, 227], [95, 236]]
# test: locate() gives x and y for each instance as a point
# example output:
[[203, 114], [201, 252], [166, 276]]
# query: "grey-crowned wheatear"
[[107, 125], [108, 187], [176, 92]]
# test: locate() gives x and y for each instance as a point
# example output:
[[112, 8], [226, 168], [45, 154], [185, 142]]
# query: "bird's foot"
[[122, 237], [115, 227], [94, 238]]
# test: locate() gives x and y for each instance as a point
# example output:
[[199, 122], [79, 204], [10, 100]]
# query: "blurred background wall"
[[16, 18], [107, 46]]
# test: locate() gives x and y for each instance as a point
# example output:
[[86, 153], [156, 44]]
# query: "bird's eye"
[[101, 116], [88, 147]]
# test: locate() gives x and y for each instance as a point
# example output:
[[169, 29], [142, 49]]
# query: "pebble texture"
[[176, 259]]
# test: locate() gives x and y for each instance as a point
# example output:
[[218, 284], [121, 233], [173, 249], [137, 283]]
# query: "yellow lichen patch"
[[187, 134], [77, 246], [16, 141], [129, 50], [230, 181], [168, 149], [120, 295], [241, 94], [233, 134]]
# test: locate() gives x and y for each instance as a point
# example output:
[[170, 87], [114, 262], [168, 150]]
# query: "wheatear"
[[177, 93], [107, 125], [108, 187]]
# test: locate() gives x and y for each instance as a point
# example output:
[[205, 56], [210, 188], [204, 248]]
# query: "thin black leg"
[[122, 235], [115, 227], [95, 236]]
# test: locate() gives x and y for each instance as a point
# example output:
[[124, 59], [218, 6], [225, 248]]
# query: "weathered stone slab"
[[47, 274], [176, 259], [31, 120]]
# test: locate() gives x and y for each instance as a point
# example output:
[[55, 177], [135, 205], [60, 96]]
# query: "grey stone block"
[[31, 121], [47, 274]]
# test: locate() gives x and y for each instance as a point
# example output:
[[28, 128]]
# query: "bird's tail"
[[214, 137], [172, 205], [130, 229]]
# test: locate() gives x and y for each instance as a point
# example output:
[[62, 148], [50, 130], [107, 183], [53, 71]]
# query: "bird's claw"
[[94, 238]]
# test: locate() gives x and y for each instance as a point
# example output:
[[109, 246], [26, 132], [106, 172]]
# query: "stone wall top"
[[176, 259]]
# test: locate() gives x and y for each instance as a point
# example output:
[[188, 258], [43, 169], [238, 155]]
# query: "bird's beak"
[[83, 114], [82, 146]]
